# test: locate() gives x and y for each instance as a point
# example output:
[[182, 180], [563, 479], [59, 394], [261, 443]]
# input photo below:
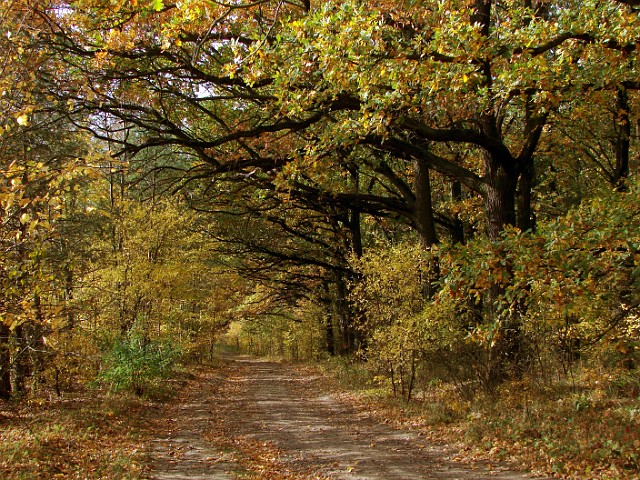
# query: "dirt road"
[[259, 419]]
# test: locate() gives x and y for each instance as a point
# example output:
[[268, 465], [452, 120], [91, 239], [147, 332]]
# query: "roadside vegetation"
[[582, 428]]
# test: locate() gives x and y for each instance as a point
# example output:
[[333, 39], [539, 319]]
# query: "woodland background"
[[439, 199]]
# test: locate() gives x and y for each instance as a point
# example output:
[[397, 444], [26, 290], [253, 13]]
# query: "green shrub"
[[136, 363]]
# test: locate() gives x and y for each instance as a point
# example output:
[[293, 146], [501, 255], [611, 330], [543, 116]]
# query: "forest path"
[[258, 419]]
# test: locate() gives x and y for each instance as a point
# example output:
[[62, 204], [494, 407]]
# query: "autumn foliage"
[[444, 192]]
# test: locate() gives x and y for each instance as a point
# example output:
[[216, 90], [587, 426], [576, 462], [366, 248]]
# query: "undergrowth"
[[590, 430], [587, 427]]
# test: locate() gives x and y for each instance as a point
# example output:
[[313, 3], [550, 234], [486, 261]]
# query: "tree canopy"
[[297, 152]]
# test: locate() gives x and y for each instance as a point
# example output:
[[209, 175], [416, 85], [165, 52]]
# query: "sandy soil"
[[258, 419]]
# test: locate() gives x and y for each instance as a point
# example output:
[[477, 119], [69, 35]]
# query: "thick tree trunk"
[[423, 208], [500, 208], [499, 195]]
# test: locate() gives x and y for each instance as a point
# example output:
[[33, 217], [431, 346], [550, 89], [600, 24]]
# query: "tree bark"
[[499, 197], [37, 347], [344, 316], [423, 207], [68, 295], [500, 206], [5, 362], [329, 335], [330, 338], [457, 230], [353, 215], [425, 226], [356, 232], [18, 367], [525, 217], [623, 140]]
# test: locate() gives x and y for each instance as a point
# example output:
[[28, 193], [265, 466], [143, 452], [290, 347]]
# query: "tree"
[[39, 162], [463, 92], [33, 187], [409, 83]]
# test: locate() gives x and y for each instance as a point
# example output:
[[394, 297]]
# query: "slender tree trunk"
[[5, 362], [534, 122], [329, 335], [525, 216], [68, 295], [623, 141], [344, 316], [37, 349], [457, 230], [351, 311], [426, 227], [327, 319], [355, 229], [18, 366], [18, 357], [353, 216]]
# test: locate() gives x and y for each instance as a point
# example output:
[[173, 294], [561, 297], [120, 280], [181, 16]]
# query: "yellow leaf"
[[23, 120]]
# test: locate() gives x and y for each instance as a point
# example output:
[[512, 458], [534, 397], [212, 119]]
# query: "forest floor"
[[258, 419], [245, 418]]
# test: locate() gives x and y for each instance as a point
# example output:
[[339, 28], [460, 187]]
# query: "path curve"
[[260, 419]]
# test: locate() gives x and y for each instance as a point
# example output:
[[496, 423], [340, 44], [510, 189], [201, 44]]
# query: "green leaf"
[[158, 5]]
